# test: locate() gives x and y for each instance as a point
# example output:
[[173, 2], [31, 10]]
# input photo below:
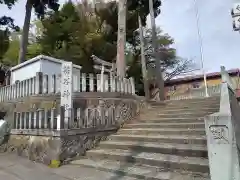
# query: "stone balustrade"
[[98, 112], [45, 84], [54, 118]]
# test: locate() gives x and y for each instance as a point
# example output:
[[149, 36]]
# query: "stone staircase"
[[167, 142]]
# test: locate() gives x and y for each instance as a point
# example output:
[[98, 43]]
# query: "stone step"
[[200, 101], [214, 101], [191, 150], [180, 110], [193, 114], [184, 107], [179, 139], [170, 120], [68, 172], [140, 124], [184, 114], [139, 171], [188, 105], [208, 99], [153, 159], [193, 100], [163, 131]]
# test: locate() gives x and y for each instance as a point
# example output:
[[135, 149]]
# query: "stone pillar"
[[66, 91], [53, 84], [102, 79], [223, 153], [91, 82], [45, 84]]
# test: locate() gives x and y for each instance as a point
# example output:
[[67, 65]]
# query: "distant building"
[[178, 86]]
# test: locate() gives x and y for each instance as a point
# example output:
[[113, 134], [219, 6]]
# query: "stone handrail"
[[58, 118], [81, 101], [46, 84], [46, 136], [91, 111], [223, 134]]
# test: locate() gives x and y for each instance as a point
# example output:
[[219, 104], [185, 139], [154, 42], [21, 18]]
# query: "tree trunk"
[[160, 80], [121, 63], [24, 37], [143, 61]]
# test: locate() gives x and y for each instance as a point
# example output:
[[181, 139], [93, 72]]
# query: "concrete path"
[[13, 167]]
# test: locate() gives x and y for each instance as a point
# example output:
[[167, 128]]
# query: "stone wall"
[[101, 115], [45, 149]]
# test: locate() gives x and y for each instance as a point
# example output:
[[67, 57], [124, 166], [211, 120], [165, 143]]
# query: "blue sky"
[[221, 45]]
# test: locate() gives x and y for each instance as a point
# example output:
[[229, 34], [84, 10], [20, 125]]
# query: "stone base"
[[52, 151]]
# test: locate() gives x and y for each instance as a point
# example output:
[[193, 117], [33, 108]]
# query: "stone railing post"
[[102, 79], [27, 87], [121, 84], [16, 120], [118, 84], [36, 120], [24, 88], [9, 92], [112, 83], [53, 122], [39, 83], [30, 81], [222, 134], [40, 118], [61, 118], [45, 84], [125, 82], [30, 118], [1, 94], [105, 83], [24, 119], [221, 143], [129, 87], [91, 82], [20, 88], [132, 85], [20, 121], [34, 85], [226, 78], [75, 85], [78, 113], [84, 84], [58, 83], [53, 84]]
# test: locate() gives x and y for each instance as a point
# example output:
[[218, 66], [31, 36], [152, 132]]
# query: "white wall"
[[49, 67], [25, 72], [44, 66]]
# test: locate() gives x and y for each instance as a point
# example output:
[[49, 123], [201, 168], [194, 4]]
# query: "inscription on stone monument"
[[66, 90], [219, 134]]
